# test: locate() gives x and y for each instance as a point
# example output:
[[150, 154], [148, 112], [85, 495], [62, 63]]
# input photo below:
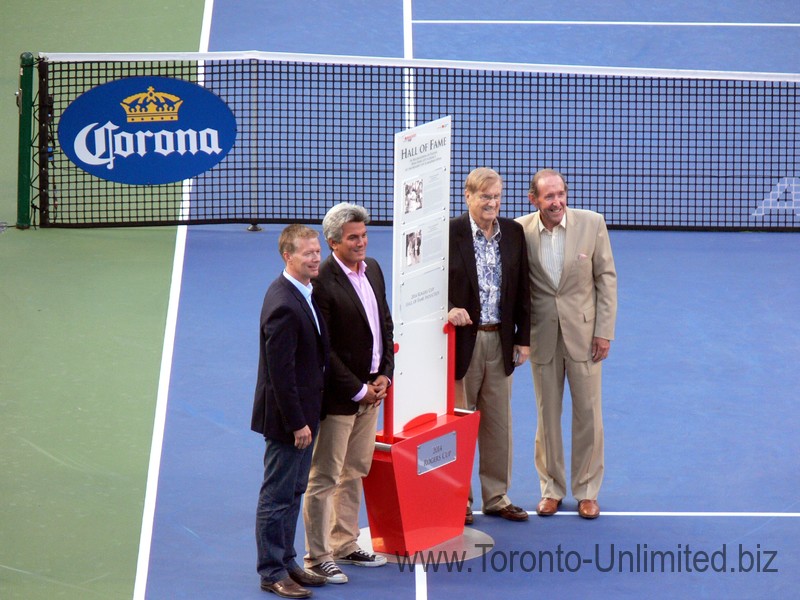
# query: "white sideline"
[[159, 421], [151, 491]]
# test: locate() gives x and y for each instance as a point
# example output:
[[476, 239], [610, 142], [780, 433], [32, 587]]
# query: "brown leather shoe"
[[510, 512], [547, 507], [303, 577], [468, 518], [286, 588], [588, 509]]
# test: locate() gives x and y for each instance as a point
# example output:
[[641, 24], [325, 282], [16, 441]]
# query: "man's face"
[[303, 264], [484, 205], [353, 247], [551, 200]]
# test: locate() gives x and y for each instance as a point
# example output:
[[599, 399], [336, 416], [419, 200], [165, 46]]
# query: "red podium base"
[[417, 489]]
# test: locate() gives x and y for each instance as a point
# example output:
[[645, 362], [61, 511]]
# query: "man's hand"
[[381, 384], [600, 348], [459, 317], [376, 391], [302, 438], [521, 354]]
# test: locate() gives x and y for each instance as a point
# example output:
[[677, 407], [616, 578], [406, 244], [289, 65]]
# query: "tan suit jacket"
[[585, 301]]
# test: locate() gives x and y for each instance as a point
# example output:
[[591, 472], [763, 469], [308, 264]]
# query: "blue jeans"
[[285, 478]]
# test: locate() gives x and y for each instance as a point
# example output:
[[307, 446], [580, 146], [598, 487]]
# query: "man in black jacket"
[[286, 410], [490, 307], [351, 293]]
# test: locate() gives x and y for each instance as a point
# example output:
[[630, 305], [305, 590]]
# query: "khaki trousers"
[[585, 381], [342, 458], [487, 388]]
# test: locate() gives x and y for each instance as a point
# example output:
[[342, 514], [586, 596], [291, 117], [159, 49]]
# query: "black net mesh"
[[648, 152]]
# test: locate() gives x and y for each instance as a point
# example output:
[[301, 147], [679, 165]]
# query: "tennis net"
[[648, 149]]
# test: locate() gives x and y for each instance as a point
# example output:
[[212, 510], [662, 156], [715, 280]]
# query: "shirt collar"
[[302, 288], [475, 229], [562, 224], [362, 266]]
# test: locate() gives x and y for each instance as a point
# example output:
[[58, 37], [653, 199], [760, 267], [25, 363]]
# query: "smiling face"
[[303, 263], [353, 247], [550, 198], [484, 204]]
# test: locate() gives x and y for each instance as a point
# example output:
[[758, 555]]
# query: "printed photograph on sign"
[[413, 247], [413, 195]]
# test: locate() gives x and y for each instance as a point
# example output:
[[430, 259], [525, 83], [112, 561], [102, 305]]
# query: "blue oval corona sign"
[[147, 130]]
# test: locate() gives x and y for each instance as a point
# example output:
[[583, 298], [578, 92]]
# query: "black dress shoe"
[[468, 518], [286, 588], [303, 577], [510, 512]]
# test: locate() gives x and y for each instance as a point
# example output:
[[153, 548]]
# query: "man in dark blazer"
[[286, 410], [351, 293], [489, 305]]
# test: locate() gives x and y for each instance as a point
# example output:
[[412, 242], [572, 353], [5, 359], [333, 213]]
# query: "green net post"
[[25, 104]]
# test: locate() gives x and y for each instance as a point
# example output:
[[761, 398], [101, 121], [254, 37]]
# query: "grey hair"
[[336, 218]]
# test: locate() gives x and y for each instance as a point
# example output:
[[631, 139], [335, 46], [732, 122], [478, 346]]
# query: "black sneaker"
[[362, 559], [330, 572]]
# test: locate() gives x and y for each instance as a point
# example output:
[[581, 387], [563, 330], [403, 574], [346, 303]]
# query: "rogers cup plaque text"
[[436, 453]]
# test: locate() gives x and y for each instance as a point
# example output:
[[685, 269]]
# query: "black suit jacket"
[[350, 335], [515, 321], [291, 366]]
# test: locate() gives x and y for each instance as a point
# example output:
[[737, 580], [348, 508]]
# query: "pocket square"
[[582, 257]]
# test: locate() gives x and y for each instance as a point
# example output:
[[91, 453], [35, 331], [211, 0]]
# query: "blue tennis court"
[[700, 494], [700, 497], [694, 426]]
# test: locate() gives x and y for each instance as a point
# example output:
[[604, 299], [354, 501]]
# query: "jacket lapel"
[[467, 249], [304, 306], [570, 246], [344, 282]]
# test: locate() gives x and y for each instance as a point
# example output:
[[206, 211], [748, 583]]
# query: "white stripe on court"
[[420, 576], [205, 30], [420, 582], [151, 492], [160, 419], [598, 23], [408, 33], [710, 514]]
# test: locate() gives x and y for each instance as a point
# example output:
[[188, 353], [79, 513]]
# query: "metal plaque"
[[436, 453]]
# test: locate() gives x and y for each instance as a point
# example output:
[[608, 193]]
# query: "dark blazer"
[[515, 321], [291, 365], [350, 335]]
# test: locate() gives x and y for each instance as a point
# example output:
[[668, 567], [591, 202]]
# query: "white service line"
[[597, 23], [769, 515]]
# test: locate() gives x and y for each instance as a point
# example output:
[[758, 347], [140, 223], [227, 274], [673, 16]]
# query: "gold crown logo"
[[151, 106]]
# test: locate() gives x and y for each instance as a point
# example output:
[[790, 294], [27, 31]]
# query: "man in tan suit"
[[573, 284]]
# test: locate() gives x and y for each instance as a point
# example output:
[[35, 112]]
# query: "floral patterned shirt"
[[487, 259]]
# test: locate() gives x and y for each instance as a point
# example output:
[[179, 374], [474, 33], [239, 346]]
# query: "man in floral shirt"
[[489, 304]]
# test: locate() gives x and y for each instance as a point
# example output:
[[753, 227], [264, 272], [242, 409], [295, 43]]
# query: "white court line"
[[420, 576], [598, 23], [160, 419], [151, 492], [420, 582], [768, 515], [205, 30], [408, 33]]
